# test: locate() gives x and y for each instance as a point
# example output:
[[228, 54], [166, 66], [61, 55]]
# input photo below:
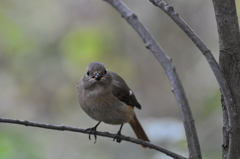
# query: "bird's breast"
[[106, 108]]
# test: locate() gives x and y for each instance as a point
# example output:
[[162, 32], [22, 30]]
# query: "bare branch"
[[229, 40], [104, 134], [155, 48], [169, 10], [228, 99]]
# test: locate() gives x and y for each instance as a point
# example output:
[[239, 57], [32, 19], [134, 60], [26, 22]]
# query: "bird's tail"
[[137, 128]]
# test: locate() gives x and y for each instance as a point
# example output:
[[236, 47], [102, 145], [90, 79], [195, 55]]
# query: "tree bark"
[[229, 61]]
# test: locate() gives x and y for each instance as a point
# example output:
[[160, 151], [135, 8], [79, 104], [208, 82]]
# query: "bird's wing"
[[121, 91]]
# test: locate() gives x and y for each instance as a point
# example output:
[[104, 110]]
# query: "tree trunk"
[[229, 61]]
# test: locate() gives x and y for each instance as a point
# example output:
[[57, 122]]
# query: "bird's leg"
[[116, 137], [93, 129]]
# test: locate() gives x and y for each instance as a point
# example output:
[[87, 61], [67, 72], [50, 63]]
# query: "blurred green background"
[[45, 47]]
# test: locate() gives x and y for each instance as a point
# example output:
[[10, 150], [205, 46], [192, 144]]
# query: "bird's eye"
[[105, 71], [88, 73]]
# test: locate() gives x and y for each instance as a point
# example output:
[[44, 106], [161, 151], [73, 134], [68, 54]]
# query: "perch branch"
[[165, 61], [80, 130]]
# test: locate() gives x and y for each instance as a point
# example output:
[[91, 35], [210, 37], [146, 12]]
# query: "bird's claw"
[[91, 130], [116, 137]]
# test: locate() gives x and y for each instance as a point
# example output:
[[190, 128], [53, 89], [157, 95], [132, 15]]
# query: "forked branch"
[[169, 10], [233, 26]]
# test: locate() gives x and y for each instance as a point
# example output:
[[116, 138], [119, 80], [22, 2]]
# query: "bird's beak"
[[97, 76]]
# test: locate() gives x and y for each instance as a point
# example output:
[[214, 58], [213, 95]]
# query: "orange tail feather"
[[137, 128]]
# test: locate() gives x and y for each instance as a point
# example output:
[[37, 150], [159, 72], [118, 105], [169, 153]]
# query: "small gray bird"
[[105, 97]]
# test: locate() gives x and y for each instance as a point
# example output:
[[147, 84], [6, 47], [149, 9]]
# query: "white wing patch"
[[130, 92]]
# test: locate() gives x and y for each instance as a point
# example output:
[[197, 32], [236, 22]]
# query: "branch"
[[229, 40], [177, 88], [169, 10], [80, 130], [233, 38]]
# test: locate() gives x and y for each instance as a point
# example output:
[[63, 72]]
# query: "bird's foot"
[[91, 130], [116, 137]]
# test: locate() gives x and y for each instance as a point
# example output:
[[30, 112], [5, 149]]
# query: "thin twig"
[[104, 134], [155, 48]]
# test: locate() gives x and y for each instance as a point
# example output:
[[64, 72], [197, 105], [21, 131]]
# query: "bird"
[[106, 97]]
